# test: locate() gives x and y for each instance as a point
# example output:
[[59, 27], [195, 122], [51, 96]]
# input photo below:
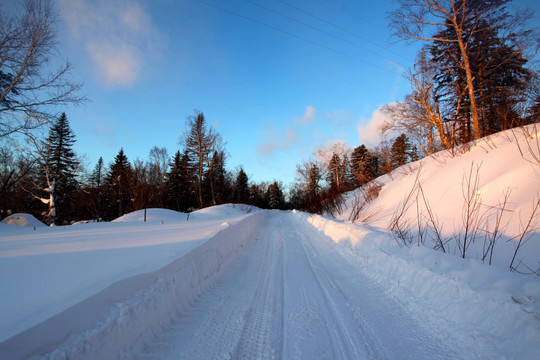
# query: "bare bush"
[[525, 232], [531, 151], [471, 216], [493, 233], [363, 196]]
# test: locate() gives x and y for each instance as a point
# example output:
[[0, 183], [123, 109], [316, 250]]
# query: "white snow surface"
[[232, 282]]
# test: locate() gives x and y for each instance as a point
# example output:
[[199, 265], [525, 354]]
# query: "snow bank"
[[132, 310], [506, 162], [152, 216], [498, 308], [23, 220], [49, 269]]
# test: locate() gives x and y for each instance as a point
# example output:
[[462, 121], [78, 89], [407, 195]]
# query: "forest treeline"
[[474, 76]]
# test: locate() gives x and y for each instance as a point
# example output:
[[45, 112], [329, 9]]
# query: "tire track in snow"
[[240, 317]]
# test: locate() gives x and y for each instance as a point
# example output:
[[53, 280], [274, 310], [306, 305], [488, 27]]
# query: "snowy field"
[[231, 282]]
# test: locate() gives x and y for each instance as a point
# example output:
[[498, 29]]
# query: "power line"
[[342, 29], [320, 30], [296, 36]]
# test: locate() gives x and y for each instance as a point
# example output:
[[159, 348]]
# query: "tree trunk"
[[470, 85]]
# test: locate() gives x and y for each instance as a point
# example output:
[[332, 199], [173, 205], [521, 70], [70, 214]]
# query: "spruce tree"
[[59, 170], [118, 182], [180, 183], [241, 188], [400, 151]]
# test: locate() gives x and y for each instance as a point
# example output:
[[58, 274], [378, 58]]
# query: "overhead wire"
[[395, 53], [320, 30], [275, 28]]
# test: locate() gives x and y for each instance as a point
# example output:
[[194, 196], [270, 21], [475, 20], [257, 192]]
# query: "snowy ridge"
[[467, 298], [142, 305]]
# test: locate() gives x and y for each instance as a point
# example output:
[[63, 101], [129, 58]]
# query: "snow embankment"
[[475, 299], [49, 269], [130, 311], [479, 200]]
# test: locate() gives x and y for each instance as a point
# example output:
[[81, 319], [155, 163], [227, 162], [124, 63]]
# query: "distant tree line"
[[51, 184]]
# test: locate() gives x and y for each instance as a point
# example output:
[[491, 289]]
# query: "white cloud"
[[118, 35], [308, 116], [368, 131]]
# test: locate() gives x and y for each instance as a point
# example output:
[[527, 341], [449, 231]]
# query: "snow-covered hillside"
[[234, 282], [498, 179]]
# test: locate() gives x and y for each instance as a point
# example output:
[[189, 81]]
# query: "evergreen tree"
[[276, 200], [335, 172], [180, 184], [241, 188], [59, 170], [98, 174], [363, 165], [400, 151], [118, 183]]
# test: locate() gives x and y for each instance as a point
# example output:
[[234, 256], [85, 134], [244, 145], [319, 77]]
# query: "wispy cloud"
[[276, 141], [118, 35], [309, 115], [368, 131]]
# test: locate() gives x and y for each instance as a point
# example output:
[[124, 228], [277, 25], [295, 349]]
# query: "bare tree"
[[28, 85], [419, 115]]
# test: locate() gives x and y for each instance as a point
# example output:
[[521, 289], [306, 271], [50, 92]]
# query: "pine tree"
[[118, 183], [362, 165], [241, 188], [335, 172], [180, 183], [59, 171], [400, 151], [276, 200], [98, 174]]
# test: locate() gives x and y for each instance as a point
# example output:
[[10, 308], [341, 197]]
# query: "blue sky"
[[277, 79]]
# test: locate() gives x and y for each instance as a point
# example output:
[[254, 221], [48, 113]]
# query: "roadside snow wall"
[[131, 311], [482, 304]]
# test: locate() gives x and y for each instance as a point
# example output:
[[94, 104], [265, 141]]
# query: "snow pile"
[[23, 220], [153, 216], [460, 294], [132, 310], [52, 268], [501, 174]]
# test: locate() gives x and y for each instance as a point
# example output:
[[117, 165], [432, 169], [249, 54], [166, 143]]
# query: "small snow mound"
[[23, 220], [153, 215], [219, 211]]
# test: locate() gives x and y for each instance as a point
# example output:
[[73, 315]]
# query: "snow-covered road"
[[274, 285], [290, 295]]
